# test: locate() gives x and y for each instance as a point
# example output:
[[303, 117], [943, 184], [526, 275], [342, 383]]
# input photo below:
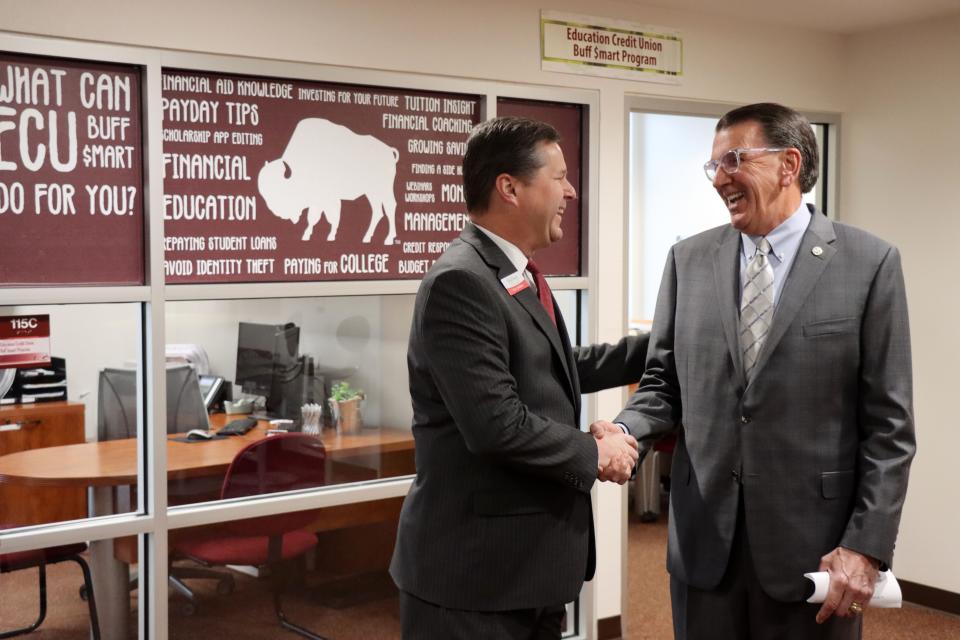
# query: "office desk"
[[106, 465], [114, 462], [32, 426]]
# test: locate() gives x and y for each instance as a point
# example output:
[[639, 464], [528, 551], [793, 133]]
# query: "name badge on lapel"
[[514, 283]]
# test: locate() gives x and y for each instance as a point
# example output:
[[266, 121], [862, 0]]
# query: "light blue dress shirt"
[[784, 245]]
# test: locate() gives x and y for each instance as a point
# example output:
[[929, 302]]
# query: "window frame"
[[152, 520]]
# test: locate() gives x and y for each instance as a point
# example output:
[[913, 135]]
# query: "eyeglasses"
[[730, 161]]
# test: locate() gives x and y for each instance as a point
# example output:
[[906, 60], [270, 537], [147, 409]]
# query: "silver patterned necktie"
[[756, 306]]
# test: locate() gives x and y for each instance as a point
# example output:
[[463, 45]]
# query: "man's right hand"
[[618, 455]]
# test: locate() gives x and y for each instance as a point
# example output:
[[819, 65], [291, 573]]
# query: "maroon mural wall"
[[561, 258], [286, 180], [71, 175]]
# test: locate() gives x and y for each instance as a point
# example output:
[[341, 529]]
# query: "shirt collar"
[[782, 238], [513, 253]]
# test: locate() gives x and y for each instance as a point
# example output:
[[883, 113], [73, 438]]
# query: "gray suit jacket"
[[499, 515], [821, 438]]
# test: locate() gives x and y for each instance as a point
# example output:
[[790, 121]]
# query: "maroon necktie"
[[543, 290]]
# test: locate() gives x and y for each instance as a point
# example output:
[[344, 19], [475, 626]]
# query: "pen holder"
[[346, 415], [311, 414]]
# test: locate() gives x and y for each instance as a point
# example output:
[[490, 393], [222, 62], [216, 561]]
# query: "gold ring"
[[855, 608]]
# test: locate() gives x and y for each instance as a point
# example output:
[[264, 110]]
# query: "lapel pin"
[[817, 251]]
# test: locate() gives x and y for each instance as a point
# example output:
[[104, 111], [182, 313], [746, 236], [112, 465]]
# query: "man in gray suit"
[[496, 534], [780, 352]]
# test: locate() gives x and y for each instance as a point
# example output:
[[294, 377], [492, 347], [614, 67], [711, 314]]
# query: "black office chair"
[[117, 419], [39, 559], [117, 403]]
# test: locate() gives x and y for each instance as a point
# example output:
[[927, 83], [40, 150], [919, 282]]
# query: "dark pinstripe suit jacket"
[[821, 438], [499, 516]]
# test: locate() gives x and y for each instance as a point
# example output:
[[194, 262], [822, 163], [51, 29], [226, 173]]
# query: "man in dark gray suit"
[[496, 534], [780, 350]]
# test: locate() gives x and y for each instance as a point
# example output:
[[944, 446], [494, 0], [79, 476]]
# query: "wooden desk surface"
[[114, 462]]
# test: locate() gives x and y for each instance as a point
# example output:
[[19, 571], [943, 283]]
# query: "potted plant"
[[345, 407]]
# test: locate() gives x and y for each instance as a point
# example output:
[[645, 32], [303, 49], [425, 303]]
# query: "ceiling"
[[837, 16]]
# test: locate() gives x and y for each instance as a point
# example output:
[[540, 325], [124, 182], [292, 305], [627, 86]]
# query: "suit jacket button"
[[744, 419]]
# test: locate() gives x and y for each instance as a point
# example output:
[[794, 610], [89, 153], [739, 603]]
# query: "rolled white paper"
[[886, 593]]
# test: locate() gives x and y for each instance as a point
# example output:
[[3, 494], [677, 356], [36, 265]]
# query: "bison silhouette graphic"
[[325, 163]]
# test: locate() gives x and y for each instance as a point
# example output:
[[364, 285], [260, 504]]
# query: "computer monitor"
[[117, 403], [262, 350], [288, 390]]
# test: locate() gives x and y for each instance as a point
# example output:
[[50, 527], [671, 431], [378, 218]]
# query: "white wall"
[[90, 337], [901, 162], [725, 60], [339, 333]]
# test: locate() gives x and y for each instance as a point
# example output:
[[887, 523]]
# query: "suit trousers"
[[739, 609], [422, 620]]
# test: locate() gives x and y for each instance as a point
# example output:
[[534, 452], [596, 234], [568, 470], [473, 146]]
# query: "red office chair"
[[282, 462], [40, 558]]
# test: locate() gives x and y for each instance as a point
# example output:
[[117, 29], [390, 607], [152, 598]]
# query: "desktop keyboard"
[[237, 427]]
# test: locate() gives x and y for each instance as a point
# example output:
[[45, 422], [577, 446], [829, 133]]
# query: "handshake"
[[617, 450]]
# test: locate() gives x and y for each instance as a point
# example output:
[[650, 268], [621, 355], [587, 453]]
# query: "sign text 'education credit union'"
[[588, 45]]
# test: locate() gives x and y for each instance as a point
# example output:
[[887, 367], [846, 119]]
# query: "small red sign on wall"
[[24, 341]]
